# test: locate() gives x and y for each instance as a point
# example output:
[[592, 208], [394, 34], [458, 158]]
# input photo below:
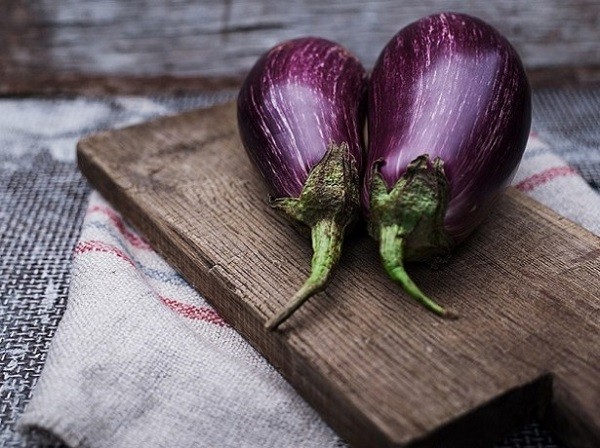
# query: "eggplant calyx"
[[408, 222], [328, 204]]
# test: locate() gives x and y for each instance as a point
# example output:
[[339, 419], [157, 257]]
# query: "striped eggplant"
[[300, 116], [449, 116]]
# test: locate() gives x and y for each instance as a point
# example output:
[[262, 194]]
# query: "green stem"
[[391, 249], [327, 238]]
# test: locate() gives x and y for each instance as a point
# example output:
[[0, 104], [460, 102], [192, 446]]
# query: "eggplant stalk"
[[328, 204], [327, 238], [391, 249], [408, 222]]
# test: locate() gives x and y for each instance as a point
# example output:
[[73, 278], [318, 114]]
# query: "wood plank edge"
[[485, 425], [96, 85], [564, 76], [568, 423], [99, 84]]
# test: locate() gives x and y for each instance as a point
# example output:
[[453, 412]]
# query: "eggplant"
[[301, 110], [449, 117]]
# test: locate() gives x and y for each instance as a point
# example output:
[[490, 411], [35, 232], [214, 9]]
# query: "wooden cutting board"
[[379, 369]]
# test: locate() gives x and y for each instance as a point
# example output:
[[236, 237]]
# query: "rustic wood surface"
[[44, 44], [379, 369]]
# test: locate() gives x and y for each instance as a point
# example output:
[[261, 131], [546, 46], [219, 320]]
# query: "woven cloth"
[[139, 358]]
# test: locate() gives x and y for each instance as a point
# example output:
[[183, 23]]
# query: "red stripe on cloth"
[[133, 238], [194, 312], [190, 311], [99, 246], [538, 179]]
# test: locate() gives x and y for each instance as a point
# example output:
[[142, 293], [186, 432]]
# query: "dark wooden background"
[[151, 45]]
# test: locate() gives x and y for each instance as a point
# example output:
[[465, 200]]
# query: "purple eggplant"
[[300, 115], [449, 116]]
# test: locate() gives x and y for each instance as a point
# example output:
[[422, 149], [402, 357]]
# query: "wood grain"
[[379, 369], [55, 40]]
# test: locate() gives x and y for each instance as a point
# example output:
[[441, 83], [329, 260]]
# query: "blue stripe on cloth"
[[155, 274]]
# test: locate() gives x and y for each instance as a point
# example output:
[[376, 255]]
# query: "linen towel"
[[140, 359]]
